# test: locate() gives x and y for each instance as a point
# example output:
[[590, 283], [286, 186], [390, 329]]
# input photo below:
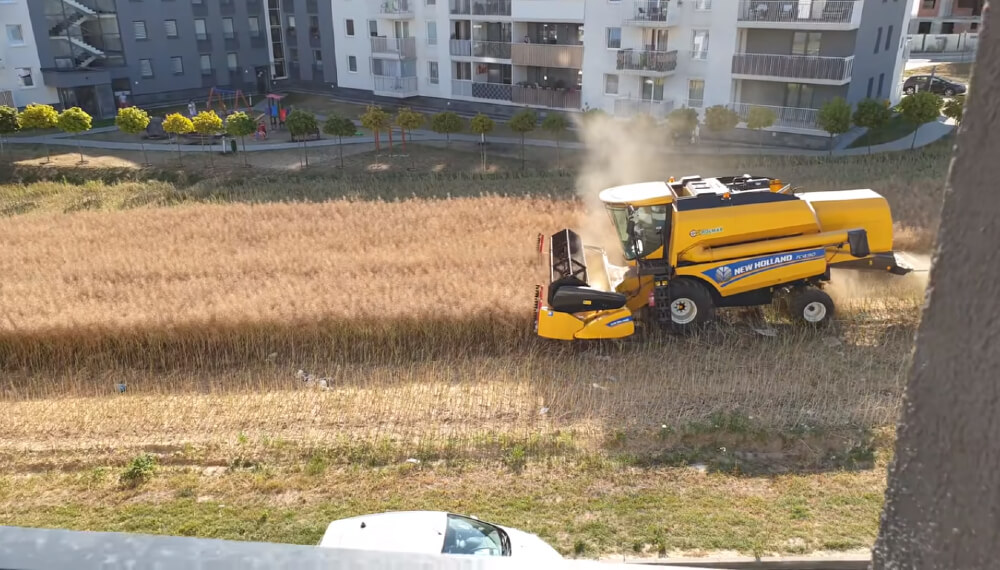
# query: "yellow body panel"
[[615, 323], [853, 209]]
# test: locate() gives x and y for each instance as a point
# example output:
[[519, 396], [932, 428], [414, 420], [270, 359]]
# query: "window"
[[170, 27], [15, 35], [146, 67], [947, 27], [318, 56], [928, 4], [799, 95], [291, 22], [293, 54], [610, 84], [614, 39], [314, 25], [372, 28], [696, 93], [232, 62], [974, 26], [432, 33], [432, 71], [206, 64], [177, 64], [881, 84], [430, 2], [350, 28], [139, 26], [199, 30], [699, 44], [228, 31], [806, 43], [254, 24], [352, 64], [888, 37], [24, 77], [924, 28], [878, 39], [703, 5], [871, 84]]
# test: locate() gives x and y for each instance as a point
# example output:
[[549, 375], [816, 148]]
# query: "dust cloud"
[[849, 286]]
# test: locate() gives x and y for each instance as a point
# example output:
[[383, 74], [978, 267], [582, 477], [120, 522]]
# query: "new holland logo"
[[723, 274]]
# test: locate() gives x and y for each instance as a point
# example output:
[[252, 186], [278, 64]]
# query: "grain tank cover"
[[640, 193]]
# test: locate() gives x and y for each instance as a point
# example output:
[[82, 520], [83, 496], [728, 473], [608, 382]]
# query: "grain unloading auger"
[[697, 244]]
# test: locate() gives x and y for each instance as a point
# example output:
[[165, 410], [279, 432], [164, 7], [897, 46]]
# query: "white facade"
[[620, 56], [20, 70]]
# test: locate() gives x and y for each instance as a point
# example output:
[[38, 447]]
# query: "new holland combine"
[[697, 244]]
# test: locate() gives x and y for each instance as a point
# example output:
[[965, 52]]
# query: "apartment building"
[[626, 56], [946, 16], [20, 69], [101, 54]]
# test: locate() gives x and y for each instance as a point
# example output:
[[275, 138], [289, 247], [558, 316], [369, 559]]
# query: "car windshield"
[[469, 536], [649, 222]]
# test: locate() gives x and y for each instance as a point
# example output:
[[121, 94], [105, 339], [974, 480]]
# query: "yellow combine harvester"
[[695, 244]]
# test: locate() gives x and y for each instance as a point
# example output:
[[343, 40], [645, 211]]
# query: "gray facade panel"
[[831, 44], [867, 63]]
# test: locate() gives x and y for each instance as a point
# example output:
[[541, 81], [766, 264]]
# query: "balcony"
[[658, 109], [477, 48], [649, 63], [540, 97], [402, 48], [801, 15], [480, 7], [651, 14], [548, 55], [481, 90], [392, 86], [396, 9], [807, 68], [785, 117]]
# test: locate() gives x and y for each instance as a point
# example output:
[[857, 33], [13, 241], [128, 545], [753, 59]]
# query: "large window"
[[254, 23], [228, 29], [170, 27], [699, 44], [146, 67], [200, 31], [432, 33], [799, 95], [139, 26], [232, 61], [614, 38], [432, 71], [24, 77], [177, 64], [15, 35], [350, 28], [696, 93], [206, 64], [806, 43], [352, 64], [610, 84]]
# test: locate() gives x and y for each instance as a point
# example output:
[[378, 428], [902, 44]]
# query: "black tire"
[[949, 92], [683, 306], [908, 91], [810, 306]]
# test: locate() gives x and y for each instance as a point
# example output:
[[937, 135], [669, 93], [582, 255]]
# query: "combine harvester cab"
[[695, 245]]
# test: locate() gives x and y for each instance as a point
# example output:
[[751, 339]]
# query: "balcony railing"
[[548, 55], [481, 90], [809, 67], [651, 13], [554, 98], [477, 48], [396, 8], [790, 117], [657, 109], [800, 12], [402, 47], [647, 61], [396, 86], [480, 7]]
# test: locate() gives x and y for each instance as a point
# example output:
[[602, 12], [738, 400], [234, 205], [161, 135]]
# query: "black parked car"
[[938, 85]]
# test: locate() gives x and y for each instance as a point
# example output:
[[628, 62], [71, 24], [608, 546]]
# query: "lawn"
[[895, 129]]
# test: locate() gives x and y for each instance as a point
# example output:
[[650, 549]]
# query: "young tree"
[[133, 121], [239, 124], [523, 122], [339, 127], [873, 115], [302, 124], [834, 117], [919, 108], [760, 118], [681, 123], [719, 118], [207, 124], [407, 120], [446, 123], [482, 126], [557, 124], [376, 120], [9, 123], [74, 121], [954, 107], [177, 124], [41, 118]]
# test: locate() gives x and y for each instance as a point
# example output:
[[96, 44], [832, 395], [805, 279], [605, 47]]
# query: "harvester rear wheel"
[[810, 306], [683, 305]]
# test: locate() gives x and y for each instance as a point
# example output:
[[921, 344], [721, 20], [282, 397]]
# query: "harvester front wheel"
[[811, 306], [684, 305]]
